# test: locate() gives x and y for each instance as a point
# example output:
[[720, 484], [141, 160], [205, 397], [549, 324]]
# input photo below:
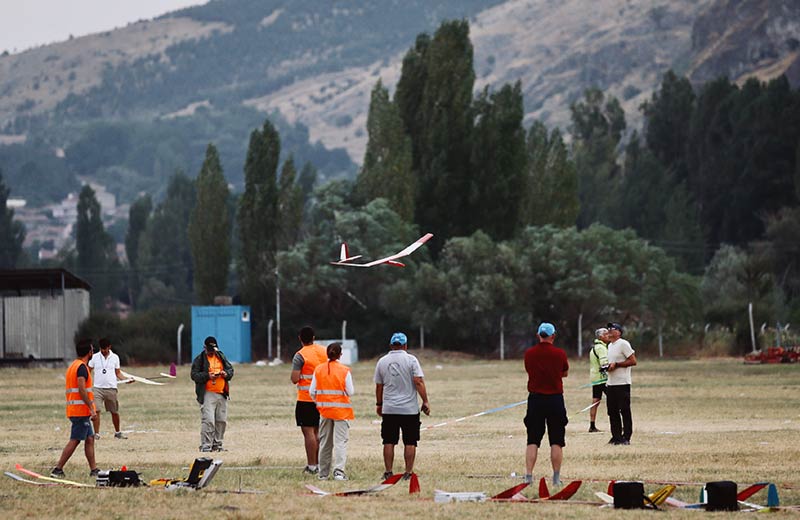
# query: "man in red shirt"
[[546, 366]]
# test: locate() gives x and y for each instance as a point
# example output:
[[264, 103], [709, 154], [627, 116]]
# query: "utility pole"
[[277, 312]]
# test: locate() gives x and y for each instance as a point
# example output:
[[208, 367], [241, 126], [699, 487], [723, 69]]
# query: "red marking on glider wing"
[[750, 491], [569, 490], [543, 491], [510, 492]]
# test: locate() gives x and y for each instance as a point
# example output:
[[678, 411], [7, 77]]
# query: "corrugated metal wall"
[[23, 326], [42, 325]]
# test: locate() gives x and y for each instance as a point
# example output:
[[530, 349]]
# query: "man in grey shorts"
[[107, 373]]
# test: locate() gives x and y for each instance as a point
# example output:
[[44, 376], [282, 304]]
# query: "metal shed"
[[40, 311]]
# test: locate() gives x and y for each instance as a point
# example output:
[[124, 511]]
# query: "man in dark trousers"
[[546, 366], [621, 357], [211, 372]]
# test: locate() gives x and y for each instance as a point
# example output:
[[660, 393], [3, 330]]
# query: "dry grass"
[[694, 421]]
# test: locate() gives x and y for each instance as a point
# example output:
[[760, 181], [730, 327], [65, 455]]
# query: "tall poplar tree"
[[290, 206], [209, 230], [597, 126], [434, 97], [551, 189], [138, 215], [498, 163], [12, 233], [387, 170], [95, 248], [165, 255], [258, 218]]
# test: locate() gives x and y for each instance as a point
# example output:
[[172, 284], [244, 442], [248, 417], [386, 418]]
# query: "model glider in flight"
[[346, 260]]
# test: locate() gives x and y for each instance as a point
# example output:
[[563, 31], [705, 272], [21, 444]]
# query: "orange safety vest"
[[313, 355], [332, 401], [75, 405]]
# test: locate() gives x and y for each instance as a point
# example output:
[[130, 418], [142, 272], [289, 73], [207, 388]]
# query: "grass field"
[[694, 421]]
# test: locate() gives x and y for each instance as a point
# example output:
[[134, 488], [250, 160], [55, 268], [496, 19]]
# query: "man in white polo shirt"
[[106, 375], [621, 357]]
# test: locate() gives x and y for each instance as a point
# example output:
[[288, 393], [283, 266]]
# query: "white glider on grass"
[[346, 260]]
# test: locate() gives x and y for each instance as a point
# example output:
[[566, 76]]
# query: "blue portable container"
[[230, 324]]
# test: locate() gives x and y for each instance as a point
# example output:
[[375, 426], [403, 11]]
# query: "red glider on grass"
[[346, 260]]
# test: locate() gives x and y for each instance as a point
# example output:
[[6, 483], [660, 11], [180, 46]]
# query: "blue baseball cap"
[[398, 338], [546, 329]]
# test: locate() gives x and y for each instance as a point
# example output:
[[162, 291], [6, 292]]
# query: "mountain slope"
[[158, 91]]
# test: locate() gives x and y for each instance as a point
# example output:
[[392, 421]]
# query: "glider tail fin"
[[344, 254]]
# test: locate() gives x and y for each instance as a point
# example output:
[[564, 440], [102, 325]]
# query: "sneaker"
[[311, 470], [218, 448], [592, 429], [614, 441], [94, 473], [624, 442], [205, 450], [322, 477], [557, 483], [339, 475], [387, 474], [527, 479], [120, 435], [57, 473], [407, 476]]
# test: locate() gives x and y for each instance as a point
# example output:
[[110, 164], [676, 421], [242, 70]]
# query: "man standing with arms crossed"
[[80, 410], [106, 375], [398, 380], [305, 361], [598, 358], [546, 365], [621, 357]]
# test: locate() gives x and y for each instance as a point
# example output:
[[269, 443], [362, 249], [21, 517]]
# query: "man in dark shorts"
[[546, 366], [80, 410], [304, 362], [398, 381]]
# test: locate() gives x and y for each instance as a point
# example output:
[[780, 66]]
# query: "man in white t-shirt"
[[106, 375], [621, 357], [398, 381]]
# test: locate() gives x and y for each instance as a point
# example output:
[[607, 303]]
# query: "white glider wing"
[[391, 260]]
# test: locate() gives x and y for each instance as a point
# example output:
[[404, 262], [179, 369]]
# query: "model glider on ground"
[[389, 482], [346, 260]]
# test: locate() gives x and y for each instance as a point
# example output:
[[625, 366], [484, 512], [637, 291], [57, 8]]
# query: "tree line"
[[669, 229]]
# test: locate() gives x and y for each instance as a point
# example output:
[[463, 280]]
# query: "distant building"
[[40, 312]]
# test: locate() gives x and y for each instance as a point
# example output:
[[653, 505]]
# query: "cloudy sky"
[[29, 23]]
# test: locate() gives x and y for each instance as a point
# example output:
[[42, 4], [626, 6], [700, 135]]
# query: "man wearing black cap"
[[621, 357], [211, 372]]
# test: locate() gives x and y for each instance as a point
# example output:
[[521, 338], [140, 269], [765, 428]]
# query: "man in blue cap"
[[546, 365], [398, 381]]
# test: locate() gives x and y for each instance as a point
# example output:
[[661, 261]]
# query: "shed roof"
[[27, 279]]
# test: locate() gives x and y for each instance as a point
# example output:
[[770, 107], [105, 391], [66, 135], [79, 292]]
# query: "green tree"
[[551, 189], [498, 163], [138, 215], [12, 233], [387, 170], [597, 126], [434, 96], [258, 218], [209, 230], [290, 206], [96, 257], [165, 254], [668, 115]]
